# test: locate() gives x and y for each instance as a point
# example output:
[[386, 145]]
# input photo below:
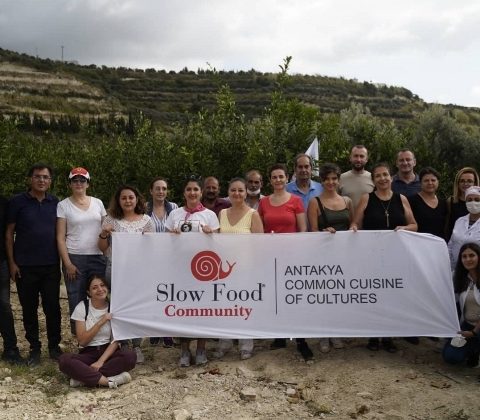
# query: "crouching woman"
[[100, 361], [467, 288]]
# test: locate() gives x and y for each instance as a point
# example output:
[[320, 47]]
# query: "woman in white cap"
[[79, 222], [467, 228]]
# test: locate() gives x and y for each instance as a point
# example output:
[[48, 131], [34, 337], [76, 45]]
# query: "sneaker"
[[278, 343], [154, 341], [473, 360], [140, 356], [373, 344], [389, 346], [324, 345], [168, 342], [55, 352], [13, 357], [185, 359], [120, 379], [245, 354], [305, 351], [201, 357], [412, 340], [34, 358], [337, 343], [75, 384]]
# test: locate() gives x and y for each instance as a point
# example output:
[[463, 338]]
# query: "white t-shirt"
[[191, 222], [104, 335], [83, 226]]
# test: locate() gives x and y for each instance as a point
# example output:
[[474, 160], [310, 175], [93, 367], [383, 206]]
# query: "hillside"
[[47, 87]]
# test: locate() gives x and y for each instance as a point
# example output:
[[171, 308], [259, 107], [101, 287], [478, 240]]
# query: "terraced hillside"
[[25, 89], [47, 87]]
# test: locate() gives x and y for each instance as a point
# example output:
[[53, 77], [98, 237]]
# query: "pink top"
[[280, 219]]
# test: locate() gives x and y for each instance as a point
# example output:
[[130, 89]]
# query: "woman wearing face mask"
[[467, 228]]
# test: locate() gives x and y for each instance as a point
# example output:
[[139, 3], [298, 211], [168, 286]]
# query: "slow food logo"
[[207, 266]]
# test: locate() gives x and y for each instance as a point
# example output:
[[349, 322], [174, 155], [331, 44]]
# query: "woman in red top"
[[282, 212]]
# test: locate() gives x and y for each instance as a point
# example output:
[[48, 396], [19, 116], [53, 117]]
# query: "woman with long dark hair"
[[100, 361], [467, 288], [126, 213]]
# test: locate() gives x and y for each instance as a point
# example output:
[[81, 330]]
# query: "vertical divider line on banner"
[[276, 297]]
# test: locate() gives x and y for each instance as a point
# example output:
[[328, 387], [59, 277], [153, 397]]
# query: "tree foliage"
[[221, 141]]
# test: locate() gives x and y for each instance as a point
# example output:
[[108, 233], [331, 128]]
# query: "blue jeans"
[[87, 265], [7, 326], [456, 355]]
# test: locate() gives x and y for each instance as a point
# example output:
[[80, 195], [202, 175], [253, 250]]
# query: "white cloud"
[[416, 44]]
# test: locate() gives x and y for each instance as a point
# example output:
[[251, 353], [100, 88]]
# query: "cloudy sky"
[[431, 47]]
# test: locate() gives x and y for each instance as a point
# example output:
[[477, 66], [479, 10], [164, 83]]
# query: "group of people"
[[40, 232]]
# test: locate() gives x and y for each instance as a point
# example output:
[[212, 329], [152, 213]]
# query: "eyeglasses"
[[41, 177], [78, 180]]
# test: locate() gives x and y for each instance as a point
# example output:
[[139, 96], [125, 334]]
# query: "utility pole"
[[62, 52]]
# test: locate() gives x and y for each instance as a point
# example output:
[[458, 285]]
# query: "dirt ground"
[[343, 384]]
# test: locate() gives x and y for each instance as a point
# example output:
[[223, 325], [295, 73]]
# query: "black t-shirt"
[[429, 220]]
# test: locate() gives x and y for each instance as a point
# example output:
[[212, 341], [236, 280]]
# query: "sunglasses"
[[80, 180]]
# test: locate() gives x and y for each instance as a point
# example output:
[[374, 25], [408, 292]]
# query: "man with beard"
[[357, 181], [406, 181], [303, 186], [254, 187], [210, 196]]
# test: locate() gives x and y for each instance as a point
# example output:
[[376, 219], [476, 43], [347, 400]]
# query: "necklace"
[[387, 215]]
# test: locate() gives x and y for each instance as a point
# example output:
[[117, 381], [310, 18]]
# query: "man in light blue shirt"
[[304, 186]]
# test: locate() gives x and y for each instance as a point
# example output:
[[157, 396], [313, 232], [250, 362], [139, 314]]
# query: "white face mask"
[[473, 207], [253, 193]]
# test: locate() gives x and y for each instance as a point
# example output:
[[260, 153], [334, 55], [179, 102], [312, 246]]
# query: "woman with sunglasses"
[[456, 204], [79, 222]]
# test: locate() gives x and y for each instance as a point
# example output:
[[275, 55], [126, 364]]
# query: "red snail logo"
[[207, 266]]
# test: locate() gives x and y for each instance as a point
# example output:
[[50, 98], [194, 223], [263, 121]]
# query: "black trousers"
[[40, 281]]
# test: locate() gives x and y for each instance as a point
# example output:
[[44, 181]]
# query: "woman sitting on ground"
[[100, 361], [467, 287]]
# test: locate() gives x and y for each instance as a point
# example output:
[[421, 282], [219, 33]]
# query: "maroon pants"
[[77, 366]]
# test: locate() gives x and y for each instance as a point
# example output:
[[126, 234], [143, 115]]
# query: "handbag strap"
[[322, 211]]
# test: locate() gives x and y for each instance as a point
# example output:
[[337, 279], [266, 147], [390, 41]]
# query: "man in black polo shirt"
[[33, 259], [10, 353]]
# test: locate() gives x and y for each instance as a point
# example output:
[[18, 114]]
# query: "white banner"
[[362, 284]]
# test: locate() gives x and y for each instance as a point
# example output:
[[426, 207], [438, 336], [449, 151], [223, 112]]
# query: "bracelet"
[[103, 237]]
